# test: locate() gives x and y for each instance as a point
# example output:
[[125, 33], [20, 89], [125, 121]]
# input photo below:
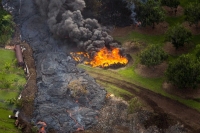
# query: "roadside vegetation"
[[6, 26], [12, 78]]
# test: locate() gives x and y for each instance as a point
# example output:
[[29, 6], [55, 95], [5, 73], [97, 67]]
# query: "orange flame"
[[103, 58], [79, 55]]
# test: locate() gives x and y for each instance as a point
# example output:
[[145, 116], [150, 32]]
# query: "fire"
[[78, 56], [103, 58]]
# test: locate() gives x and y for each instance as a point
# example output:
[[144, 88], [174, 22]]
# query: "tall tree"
[[184, 72], [178, 35], [192, 13], [152, 56], [149, 13], [173, 4]]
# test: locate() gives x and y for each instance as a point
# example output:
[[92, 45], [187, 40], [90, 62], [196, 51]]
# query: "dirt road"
[[160, 104]]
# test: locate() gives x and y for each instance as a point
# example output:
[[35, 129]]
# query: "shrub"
[[77, 89], [184, 72], [152, 55], [178, 36], [134, 105], [6, 27]]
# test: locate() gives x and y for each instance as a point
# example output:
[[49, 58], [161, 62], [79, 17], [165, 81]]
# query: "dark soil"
[[171, 50], [151, 72]]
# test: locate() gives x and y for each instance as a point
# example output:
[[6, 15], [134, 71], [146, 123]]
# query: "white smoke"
[[65, 20], [131, 6]]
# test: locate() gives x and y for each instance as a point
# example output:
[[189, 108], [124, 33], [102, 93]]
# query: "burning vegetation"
[[103, 58]]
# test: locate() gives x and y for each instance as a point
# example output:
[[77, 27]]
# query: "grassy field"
[[12, 80]]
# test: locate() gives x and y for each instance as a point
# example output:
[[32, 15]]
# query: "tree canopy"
[[192, 13], [152, 55], [173, 4], [114, 12], [184, 72], [6, 26], [149, 13], [178, 35]]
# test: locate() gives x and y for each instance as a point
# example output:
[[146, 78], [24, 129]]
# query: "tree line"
[[184, 72]]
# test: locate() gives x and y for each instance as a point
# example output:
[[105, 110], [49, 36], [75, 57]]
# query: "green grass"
[[173, 20], [6, 56], [7, 94], [153, 84], [15, 78], [115, 90], [184, 3], [135, 36], [7, 125]]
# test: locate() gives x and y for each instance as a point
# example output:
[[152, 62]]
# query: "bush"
[[192, 13], [77, 89], [152, 55], [178, 36], [184, 72], [134, 105], [6, 27]]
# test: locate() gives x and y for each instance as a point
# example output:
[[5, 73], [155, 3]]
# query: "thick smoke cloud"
[[66, 21]]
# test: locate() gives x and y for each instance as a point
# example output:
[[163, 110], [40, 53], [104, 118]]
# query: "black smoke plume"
[[65, 20]]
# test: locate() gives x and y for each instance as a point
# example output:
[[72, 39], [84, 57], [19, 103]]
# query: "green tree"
[[149, 13], [178, 36], [184, 72], [173, 4], [192, 13], [6, 26], [152, 55]]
